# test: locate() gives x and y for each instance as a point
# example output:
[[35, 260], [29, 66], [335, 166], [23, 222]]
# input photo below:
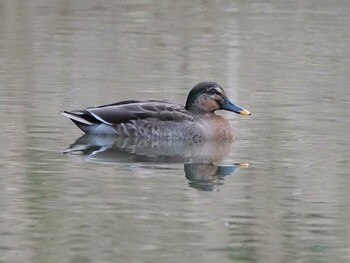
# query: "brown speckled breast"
[[217, 127]]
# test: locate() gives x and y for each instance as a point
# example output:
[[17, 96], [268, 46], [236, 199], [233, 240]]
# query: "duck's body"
[[162, 119]]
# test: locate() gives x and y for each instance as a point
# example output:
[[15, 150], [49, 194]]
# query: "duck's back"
[[145, 119], [125, 111]]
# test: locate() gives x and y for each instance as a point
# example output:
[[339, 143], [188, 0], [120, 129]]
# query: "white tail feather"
[[99, 118], [75, 117]]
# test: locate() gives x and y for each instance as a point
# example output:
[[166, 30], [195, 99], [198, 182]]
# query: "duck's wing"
[[125, 111]]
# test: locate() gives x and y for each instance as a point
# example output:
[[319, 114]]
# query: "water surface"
[[140, 201]]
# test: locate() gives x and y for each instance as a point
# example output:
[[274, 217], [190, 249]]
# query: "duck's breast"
[[217, 128]]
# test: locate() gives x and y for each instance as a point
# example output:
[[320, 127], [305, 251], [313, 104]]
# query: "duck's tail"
[[88, 123], [79, 119], [76, 117]]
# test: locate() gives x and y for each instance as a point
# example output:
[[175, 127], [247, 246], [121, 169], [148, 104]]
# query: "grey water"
[[278, 193]]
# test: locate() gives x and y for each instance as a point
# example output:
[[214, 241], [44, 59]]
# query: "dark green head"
[[207, 97]]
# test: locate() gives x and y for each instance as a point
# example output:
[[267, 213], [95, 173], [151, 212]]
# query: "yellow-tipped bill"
[[228, 105], [243, 165], [244, 112]]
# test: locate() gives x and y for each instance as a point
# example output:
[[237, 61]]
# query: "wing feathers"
[[98, 117], [125, 112], [130, 118]]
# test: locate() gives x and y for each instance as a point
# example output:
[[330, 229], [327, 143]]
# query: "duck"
[[161, 119]]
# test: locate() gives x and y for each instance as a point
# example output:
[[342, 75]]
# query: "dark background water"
[[288, 62]]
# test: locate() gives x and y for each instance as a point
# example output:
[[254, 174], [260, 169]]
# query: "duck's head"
[[207, 97]]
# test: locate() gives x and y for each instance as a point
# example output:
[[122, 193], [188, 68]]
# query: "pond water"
[[278, 193]]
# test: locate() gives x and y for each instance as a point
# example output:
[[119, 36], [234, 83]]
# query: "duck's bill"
[[228, 105]]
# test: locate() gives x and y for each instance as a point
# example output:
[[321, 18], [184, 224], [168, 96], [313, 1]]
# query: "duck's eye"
[[213, 91]]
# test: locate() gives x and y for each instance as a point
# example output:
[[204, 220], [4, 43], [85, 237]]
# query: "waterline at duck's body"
[[152, 128]]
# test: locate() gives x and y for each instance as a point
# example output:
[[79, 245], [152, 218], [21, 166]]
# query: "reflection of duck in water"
[[201, 159], [162, 119], [208, 176]]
